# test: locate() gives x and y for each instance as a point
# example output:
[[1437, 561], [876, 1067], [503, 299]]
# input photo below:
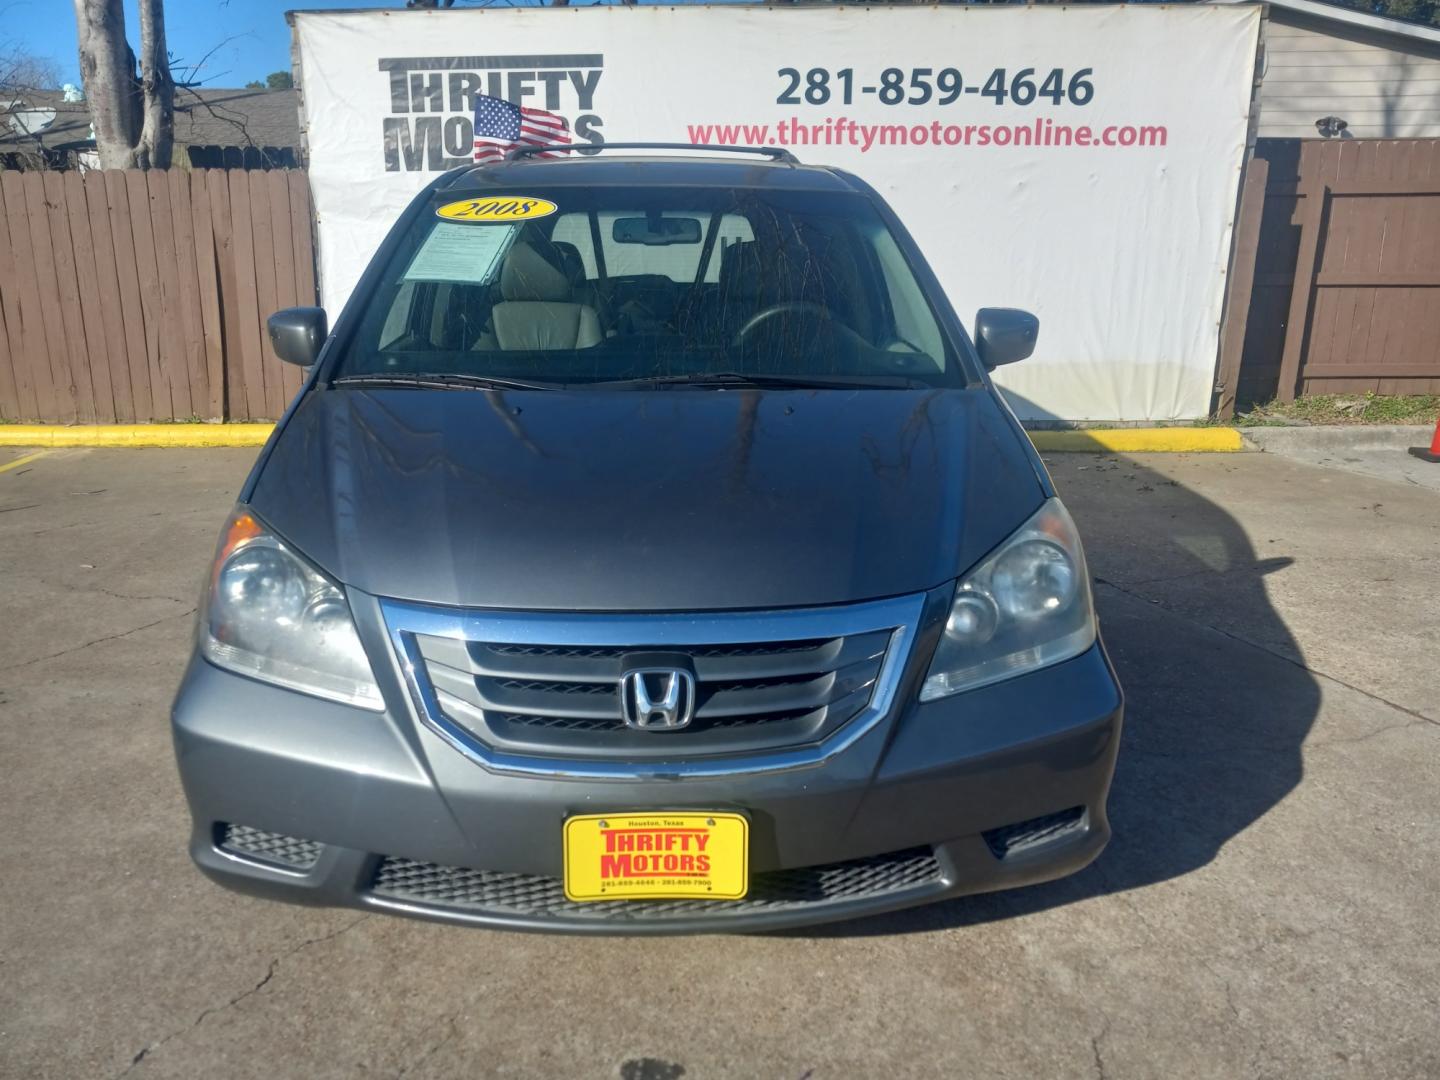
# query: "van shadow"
[[1213, 725]]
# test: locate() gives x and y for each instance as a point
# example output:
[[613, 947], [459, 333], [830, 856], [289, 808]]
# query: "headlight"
[[1025, 607], [273, 616]]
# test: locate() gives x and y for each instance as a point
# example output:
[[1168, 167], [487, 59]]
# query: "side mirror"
[[1004, 335], [297, 333]]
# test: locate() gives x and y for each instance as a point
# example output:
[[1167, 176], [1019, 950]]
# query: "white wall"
[[1332, 70]]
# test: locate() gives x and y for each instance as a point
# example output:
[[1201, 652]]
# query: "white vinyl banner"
[[1079, 162]]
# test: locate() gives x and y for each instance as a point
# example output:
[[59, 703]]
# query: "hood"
[[657, 500]]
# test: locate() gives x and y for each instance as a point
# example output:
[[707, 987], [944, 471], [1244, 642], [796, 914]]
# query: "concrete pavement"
[[1381, 451], [1266, 909]]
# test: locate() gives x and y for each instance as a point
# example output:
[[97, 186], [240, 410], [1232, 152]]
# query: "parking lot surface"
[[1267, 907]]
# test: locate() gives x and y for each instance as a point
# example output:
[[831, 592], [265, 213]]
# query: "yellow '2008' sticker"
[[497, 208]]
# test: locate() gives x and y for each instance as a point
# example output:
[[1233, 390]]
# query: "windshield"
[[617, 284]]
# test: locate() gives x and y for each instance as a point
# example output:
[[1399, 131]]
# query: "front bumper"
[[309, 801]]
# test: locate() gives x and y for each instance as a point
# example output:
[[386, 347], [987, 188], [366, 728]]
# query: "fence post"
[[1242, 283], [1317, 197]]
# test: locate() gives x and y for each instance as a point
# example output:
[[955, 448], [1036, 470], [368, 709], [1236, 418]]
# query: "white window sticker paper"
[[462, 253]]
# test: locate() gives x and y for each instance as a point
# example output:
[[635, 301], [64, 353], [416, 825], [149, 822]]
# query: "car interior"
[[615, 295]]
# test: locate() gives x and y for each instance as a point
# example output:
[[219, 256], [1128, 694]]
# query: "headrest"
[[741, 271], [526, 275], [571, 262]]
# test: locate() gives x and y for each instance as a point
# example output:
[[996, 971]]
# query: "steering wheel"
[[760, 318]]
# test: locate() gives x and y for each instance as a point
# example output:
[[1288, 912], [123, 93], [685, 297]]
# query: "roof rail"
[[774, 153]]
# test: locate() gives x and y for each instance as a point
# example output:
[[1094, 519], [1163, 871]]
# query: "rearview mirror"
[[654, 231], [1004, 335], [297, 333]]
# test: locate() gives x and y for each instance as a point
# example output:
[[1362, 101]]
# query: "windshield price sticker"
[[457, 253], [927, 86]]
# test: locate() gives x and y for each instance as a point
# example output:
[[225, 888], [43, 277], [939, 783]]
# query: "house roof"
[[1315, 10], [203, 117]]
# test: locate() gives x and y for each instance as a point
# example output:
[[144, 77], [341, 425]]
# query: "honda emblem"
[[657, 699]]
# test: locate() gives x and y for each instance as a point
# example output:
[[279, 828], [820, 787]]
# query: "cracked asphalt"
[[1267, 908]]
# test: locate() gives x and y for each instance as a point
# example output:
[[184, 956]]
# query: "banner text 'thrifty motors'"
[[432, 101]]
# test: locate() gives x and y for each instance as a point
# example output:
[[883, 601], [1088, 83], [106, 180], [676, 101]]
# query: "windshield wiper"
[[742, 378], [443, 381]]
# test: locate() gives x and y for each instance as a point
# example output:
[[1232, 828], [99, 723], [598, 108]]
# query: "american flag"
[[501, 126]]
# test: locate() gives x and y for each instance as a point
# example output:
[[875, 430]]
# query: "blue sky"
[[250, 37]]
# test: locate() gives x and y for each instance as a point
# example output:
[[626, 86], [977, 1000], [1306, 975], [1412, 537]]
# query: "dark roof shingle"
[[203, 117]]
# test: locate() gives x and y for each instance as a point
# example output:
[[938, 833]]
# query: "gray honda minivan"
[[647, 551]]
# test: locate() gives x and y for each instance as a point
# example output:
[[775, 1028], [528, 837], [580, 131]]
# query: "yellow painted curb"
[[135, 434], [1166, 440], [1094, 441]]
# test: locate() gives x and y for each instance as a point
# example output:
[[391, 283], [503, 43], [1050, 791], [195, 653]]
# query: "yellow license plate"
[[666, 856]]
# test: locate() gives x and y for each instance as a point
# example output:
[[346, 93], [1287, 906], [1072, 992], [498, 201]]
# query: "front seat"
[[537, 309]]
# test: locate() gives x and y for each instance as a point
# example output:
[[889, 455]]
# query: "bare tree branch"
[[188, 74], [217, 111], [21, 111], [20, 70]]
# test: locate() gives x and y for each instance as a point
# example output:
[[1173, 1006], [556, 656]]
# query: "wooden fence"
[[1335, 286], [134, 296]]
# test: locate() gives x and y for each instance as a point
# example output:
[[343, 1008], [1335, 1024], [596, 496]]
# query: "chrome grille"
[[538, 693], [585, 651], [568, 700]]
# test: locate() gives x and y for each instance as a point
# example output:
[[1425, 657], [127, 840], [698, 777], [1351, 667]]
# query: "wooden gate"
[[135, 296], [1343, 271]]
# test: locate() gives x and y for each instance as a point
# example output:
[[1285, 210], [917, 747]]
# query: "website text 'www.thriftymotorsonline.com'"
[[867, 137]]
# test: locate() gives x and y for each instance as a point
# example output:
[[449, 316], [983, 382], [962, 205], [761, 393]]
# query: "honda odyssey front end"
[[648, 551]]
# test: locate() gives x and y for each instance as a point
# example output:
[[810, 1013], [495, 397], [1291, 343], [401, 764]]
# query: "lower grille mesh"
[[269, 846], [1011, 839], [528, 894]]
